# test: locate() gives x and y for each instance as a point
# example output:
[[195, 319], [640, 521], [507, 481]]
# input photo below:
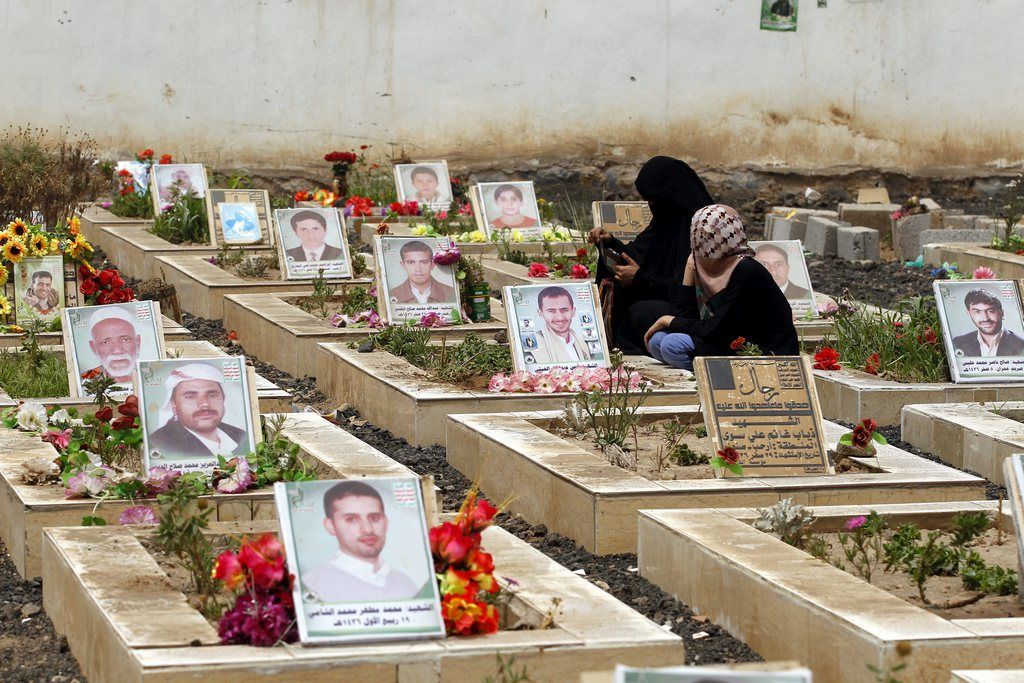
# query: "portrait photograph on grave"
[[109, 340], [555, 326], [168, 181], [763, 412], [510, 205], [427, 183], [238, 217], [310, 240], [38, 288], [193, 410], [622, 219], [410, 282], [359, 551], [139, 171], [785, 260], [982, 329]]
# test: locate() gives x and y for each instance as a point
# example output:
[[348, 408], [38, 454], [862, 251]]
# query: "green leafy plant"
[[317, 301], [787, 520], [614, 415], [904, 345], [184, 222], [863, 544], [967, 526], [1013, 211], [507, 672], [473, 357], [976, 575], [276, 458], [358, 265], [254, 267], [43, 375]]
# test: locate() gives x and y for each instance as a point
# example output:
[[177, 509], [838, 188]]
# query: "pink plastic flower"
[[545, 385], [60, 440], [538, 270], [447, 256], [137, 514], [580, 271], [855, 522], [160, 480], [432, 320], [238, 480], [498, 382], [984, 273], [89, 482]]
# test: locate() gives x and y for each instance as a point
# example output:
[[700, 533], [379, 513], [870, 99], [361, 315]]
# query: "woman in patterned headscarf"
[[726, 295]]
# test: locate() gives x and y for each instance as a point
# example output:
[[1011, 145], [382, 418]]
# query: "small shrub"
[[789, 521], [183, 222]]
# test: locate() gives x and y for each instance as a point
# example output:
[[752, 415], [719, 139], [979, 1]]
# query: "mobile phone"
[[611, 257]]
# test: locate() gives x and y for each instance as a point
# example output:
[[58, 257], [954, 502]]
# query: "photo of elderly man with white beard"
[[109, 340]]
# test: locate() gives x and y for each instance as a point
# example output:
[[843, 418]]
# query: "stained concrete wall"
[[901, 84]]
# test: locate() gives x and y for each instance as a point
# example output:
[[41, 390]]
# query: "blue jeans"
[[674, 348]]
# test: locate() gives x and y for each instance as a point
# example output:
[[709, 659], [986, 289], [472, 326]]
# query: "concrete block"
[[875, 216], [906, 233], [858, 244], [960, 222], [788, 229], [930, 204], [953, 235], [821, 236]]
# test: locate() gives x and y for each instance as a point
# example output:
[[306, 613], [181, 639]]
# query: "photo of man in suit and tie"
[[310, 227]]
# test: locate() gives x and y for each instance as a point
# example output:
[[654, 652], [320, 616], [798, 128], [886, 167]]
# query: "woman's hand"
[[660, 324], [690, 273], [624, 274], [597, 235]]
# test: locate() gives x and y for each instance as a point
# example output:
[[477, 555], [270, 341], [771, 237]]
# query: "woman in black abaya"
[[648, 280]]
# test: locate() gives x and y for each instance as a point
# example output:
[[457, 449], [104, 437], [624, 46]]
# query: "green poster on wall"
[[778, 15]]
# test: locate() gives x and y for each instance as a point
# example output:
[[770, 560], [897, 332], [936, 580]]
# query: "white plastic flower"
[[60, 417], [32, 417]]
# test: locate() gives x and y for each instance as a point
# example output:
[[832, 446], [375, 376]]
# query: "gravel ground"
[[880, 284]]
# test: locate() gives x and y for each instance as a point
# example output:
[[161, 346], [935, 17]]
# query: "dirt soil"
[[941, 590]]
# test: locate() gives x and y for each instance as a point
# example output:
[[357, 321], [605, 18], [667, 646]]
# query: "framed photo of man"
[[310, 240], [510, 205], [239, 217], [784, 259], [982, 329], [622, 219], [168, 181], [39, 288], [359, 552], [427, 183], [110, 340], [193, 410], [410, 284], [555, 326]]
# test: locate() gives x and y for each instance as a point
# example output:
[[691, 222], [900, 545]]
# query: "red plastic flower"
[[448, 543], [581, 253], [476, 516], [124, 173], [122, 423], [166, 159], [729, 454], [861, 437], [303, 196], [145, 155], [827, 359], [869, 424], [738, 343], [464, 615], [89, 287], [873, 364], [538, 270], [361, 206], [580, 271], [228, 569], [130, 407], [930, 337], [104, 414], [264, 558], [340, 157]]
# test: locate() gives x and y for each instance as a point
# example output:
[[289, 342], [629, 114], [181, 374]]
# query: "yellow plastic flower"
[[14, 251], [5, 306], [54, 246], [477, 236], [517, 236], [3, 276], [75, 226], [17, 228], [419, 230], [39, 245], [549, 235], [541, 201]]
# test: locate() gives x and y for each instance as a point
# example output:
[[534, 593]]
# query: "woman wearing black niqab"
[[647, 284]]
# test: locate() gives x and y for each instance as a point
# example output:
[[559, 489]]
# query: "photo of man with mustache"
[[355, 516], [990, 338], [115, 340], [195, 427]]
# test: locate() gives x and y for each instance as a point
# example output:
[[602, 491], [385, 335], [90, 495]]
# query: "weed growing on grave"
[[131, 201], [276, 458], [862, 543], [184, 519], [317, 301], [254, 267], [358, 265], [471, 358], [507, 672], [786, 520], [904, 345], [44, 374], [614, 415], [672, 449], [1012, 213], [183, 221]]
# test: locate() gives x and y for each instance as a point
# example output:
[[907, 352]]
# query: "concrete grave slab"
[[970, 256], [395, 395], [25, 510], [285, 336], [876, 216], [821, 236], [125, 622], [580, 495], [786, 604]]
